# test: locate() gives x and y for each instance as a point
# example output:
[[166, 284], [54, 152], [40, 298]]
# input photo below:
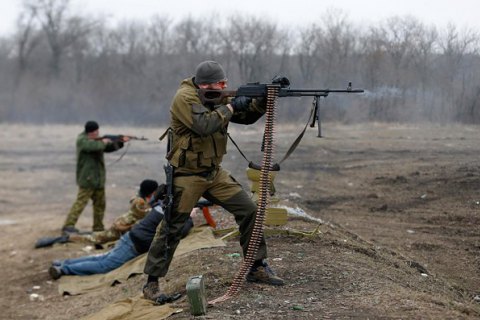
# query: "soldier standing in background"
[[90, 176], [199, 143]]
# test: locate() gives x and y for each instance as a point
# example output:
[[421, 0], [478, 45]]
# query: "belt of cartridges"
[[263, 197]]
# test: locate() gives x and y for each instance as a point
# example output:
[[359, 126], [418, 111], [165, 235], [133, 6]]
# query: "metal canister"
[[196, 295]]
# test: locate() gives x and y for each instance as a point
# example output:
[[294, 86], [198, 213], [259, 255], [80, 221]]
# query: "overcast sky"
[[463, 13]]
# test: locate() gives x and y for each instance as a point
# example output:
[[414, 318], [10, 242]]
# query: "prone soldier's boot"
[[55, 272], [261, 272]]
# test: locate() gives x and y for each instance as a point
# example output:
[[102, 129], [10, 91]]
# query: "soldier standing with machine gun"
[[198, 144]]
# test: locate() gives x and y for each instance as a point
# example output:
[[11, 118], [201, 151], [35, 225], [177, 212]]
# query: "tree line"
[[62, 67]]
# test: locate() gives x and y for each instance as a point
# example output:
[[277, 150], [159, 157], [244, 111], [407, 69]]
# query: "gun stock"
[[215, 97]]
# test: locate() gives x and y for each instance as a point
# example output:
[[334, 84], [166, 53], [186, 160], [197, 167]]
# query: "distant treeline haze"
[[63, 67]]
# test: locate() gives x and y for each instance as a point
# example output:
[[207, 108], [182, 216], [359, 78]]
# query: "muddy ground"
[[400, 238]]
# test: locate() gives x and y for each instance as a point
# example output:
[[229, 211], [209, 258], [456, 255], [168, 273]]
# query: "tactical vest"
[[198, 153], [191, 152]]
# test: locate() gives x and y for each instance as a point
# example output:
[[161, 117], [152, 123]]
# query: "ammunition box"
[[196, 295]]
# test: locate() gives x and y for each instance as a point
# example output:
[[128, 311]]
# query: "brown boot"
[[151, 291], [264, 274]]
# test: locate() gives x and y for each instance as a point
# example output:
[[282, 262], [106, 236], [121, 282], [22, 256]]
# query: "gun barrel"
[[256, 90], [314, 92], [136, 138]]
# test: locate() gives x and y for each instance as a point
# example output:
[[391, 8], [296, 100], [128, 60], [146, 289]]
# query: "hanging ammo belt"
[[263, 199]]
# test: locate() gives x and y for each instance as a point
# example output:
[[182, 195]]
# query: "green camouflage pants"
[[101, 237], [98, 199], [219, 188], [98, 237]]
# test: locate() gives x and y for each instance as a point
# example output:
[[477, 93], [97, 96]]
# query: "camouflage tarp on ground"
[[133, 308]]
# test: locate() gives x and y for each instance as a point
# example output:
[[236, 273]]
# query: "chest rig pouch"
[[193, 151]]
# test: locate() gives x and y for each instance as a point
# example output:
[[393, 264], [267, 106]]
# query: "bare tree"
[[336, 45], [373, 53], [423, 56], [27, 38], [455, 46], [61, 29], [252, 43], [158, 36], [64, 65], [399, 44], [192, 43], [308, 52], [132, 46]]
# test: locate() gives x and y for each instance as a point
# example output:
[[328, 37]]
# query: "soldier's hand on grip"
[[240, 103]]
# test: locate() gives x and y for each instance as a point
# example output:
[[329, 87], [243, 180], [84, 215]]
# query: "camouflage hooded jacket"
[[200, 132]]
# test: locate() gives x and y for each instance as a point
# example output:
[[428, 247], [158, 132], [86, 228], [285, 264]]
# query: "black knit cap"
[[209, 72], [147, 187], [91, 126]]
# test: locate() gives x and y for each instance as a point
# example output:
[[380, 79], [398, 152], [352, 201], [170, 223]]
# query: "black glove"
[[281, 80], [240, 103], [158, 195]]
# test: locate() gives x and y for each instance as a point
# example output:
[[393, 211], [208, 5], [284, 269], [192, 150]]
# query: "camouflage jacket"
[[200, 132], [139, 207], [138, 210], [90, 172]]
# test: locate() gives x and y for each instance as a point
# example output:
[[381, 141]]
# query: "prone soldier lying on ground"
[[131, 244]]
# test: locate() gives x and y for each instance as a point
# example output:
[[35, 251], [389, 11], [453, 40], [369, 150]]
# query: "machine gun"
[[119, 137], [259, 90]]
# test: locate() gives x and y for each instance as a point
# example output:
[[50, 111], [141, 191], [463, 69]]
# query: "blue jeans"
[[123, 251]]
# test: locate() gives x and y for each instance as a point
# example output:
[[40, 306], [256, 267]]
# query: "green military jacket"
[[200, 132], [90, 161]]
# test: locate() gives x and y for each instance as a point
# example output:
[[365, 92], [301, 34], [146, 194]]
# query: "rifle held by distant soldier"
[[120, 137]]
